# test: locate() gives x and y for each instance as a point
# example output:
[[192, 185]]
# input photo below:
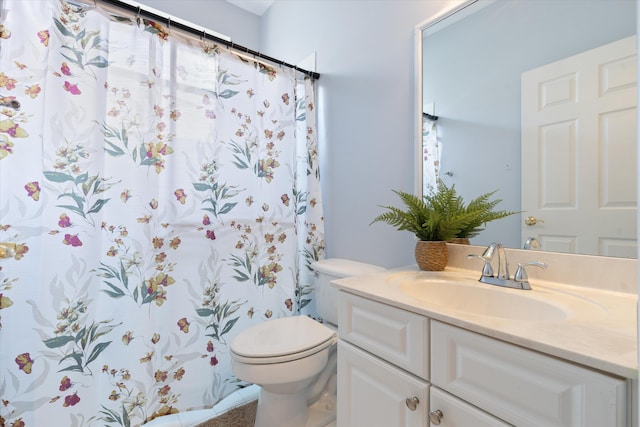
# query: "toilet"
[[293, 359]]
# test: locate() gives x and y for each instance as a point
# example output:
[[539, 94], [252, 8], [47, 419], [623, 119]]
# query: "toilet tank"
[[330, 269]]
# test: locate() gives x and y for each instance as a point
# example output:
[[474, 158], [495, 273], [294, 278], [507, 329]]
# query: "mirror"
[[470, 61]]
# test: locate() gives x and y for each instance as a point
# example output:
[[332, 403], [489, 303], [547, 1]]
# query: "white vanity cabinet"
[[374, 393], [521, 386], [391, 362], [383, 364]]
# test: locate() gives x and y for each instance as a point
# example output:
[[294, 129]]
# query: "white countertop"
[[600, 332]]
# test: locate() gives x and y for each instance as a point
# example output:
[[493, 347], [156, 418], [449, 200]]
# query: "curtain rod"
[[140, 9]]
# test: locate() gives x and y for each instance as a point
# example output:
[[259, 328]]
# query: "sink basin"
[[465, 294]]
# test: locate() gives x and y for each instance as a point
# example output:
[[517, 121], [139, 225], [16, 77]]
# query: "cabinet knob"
[[412, 403], [436, 416]]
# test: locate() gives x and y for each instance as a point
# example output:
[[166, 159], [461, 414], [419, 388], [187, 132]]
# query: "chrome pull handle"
[[532, 220], [436, 416], [412, 403]]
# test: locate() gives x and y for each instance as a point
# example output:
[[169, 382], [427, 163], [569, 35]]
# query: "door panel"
[[578, 150]]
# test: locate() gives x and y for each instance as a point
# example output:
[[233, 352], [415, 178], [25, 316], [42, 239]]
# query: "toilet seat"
[[281, 340]]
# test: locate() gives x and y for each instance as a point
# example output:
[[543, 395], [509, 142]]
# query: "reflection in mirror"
[[472, 67]]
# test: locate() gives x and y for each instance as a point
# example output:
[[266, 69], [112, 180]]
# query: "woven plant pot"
[[431, 255]]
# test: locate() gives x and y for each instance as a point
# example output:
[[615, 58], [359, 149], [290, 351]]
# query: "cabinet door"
[[521, 386], [395, 335], [449, 411], [373, 393]]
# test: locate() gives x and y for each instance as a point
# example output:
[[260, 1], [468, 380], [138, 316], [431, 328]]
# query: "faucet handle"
[[521, 274], [487, 270]]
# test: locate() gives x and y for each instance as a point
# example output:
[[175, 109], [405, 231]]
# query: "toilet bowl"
[[293, 359]]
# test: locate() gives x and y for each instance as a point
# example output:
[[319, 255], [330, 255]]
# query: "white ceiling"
[[257, 7]]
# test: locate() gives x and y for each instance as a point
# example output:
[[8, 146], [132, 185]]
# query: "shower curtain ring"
[[138, 15], [206, 47]]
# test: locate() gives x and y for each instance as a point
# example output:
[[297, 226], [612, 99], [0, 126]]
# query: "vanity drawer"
[[452, 412], [521, 386], [397, 336]]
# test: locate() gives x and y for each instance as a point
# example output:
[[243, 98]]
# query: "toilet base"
[[278, 410], [313, 405]]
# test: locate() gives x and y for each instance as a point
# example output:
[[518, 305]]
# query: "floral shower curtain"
[[430, 156], [163, 194]]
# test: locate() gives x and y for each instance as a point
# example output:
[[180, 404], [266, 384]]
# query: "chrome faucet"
[[487, 256], [532, 243], [520, 279], [503, 266]]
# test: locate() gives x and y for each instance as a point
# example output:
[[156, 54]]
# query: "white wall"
[[366, 93], [218, 15]]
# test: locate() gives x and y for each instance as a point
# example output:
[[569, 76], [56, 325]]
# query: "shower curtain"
[[430, 156], [163, 195]]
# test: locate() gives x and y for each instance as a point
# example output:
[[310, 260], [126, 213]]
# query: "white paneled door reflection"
[[579, 152]]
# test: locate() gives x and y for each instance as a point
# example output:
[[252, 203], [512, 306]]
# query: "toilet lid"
[[281, 337]]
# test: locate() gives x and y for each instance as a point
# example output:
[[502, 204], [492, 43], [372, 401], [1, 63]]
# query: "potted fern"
[[437, 218], [479, 211]]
